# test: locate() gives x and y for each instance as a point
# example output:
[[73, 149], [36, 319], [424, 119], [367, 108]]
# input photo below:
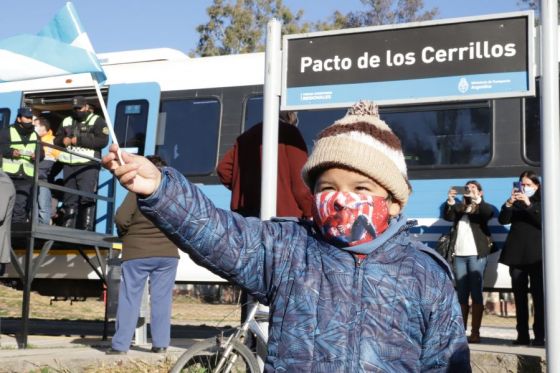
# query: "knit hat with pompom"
[[362, 142]]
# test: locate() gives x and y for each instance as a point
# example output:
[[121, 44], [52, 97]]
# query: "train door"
[[134, 112], [9, 103]]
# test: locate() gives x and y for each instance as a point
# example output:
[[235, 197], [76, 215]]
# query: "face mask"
[[28, 127], [350, 219], [529, 191], [80, 115]]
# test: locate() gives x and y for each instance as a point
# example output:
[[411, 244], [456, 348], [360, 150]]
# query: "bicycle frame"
[[250, 323]]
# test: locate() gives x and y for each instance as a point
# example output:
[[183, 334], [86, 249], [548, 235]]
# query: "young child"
[[350, 292], [44, 198]]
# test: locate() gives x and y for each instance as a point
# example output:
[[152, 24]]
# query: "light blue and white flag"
[[61, 48]]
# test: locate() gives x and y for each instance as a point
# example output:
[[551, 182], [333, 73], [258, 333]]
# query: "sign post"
[[550, 140]]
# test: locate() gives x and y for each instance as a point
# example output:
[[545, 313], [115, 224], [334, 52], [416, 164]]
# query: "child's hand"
[[138, 174]]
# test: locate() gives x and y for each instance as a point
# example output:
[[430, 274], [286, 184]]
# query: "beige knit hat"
[[363, 142]]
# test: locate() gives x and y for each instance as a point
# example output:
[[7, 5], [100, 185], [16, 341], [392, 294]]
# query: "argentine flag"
[[61, 48]]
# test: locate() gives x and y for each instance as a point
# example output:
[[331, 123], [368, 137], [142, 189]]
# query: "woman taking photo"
[[471, 240], [523, 254]]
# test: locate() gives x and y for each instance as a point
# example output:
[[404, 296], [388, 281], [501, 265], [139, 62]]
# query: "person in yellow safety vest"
[[86, 133], [18, 143], [43, 129]]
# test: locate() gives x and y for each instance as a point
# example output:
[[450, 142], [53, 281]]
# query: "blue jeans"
[[161, 271], [469, 276], [44, 205]]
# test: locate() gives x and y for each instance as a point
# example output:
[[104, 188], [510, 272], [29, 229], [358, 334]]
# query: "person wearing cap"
[[18, 144], [85, 133], [349, 292]]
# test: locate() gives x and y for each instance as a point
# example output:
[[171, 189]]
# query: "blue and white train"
[[190, 111]]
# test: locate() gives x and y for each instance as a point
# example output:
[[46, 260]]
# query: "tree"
[[380, 12], [240, 27]]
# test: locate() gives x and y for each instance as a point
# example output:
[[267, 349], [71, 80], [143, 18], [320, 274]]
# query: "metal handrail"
[[37, 182]]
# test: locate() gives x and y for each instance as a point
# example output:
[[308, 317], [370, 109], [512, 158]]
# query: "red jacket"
[[240, 171]]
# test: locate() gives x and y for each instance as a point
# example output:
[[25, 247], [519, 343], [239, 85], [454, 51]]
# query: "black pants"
[[22, 204], [83, 178], [520, 277]]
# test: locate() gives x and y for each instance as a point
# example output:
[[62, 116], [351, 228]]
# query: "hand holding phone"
[[517, 187], [460, 189]]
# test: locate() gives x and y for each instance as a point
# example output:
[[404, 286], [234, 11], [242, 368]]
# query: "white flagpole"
[[107, 118], [272, 78]]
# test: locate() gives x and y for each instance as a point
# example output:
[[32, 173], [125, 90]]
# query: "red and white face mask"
[[350, 219]]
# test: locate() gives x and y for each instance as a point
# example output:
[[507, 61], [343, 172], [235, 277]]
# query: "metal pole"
[[28, 276], [26, 294], [271, 106], [269, 164], [550, 139]]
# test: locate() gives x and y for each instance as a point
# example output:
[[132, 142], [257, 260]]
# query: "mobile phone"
[[460, 189], [517, 186]]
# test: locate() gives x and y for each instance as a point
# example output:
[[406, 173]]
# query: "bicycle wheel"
[[204, 357]]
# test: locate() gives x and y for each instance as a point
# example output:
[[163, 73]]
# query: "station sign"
[[446, 60]]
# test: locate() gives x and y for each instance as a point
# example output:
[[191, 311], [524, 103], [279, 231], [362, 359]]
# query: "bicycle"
[[223, 354]]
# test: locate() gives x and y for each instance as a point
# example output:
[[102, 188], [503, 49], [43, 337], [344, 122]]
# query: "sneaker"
[[521, 342], [537, 343], [112, 351], [159, 350], [474, 338]]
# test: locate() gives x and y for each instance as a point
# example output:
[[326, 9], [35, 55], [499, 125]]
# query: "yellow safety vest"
[[12, 165], [71, 158]]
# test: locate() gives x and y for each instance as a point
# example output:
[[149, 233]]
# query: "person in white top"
[[472, 244]]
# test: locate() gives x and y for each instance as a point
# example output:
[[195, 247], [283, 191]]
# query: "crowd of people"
[[30, 140], [329, 276], [31, 136]]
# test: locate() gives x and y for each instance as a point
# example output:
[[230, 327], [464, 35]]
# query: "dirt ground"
[[186, 309]]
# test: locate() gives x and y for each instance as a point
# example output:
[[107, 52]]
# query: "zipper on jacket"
[[354, 335], [359, 259]]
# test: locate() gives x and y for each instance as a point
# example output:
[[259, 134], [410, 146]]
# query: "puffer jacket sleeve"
[[247, 251], [445, 347]]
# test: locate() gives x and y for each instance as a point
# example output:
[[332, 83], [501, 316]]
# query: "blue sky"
[[115, 25]]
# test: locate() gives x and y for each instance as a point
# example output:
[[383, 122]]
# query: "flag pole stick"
[[107, 118]]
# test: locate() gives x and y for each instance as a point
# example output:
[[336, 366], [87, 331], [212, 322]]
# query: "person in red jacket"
[[240, 171]]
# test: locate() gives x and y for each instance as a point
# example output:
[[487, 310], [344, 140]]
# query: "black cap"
[[78, 102], [25, 112]]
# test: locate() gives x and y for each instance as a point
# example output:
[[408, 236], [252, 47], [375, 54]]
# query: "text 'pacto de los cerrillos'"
[[476, 50]]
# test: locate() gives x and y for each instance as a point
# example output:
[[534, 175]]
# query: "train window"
[[532, 129], [131, 121], [188, 134], [4, 118], [431, 137], [310, 123], [453, 136], [253, 112]]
